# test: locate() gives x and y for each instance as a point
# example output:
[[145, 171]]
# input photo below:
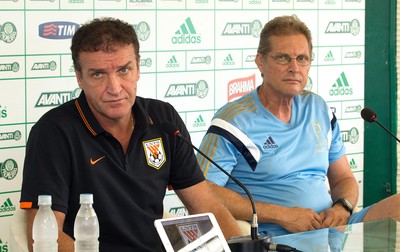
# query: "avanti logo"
[[3, 112], [228, 61], [8, 169], [199, 89], [58, 30], [254, 1], [270, 143], [142, 30], [352, 27], [76, 1], [199, 122], [186, 34], [179, 211], [243, 29], [52, 65], [241, 86], [251, 58], [281, 1], [146, 62], [9, 67], [352, 109], [341, 87], [329, 56], [7, 206], [201, 60], [350, 135], [50, 99], [16, 135], [172, 62], [8, 32], [356, 54], [3, 246]]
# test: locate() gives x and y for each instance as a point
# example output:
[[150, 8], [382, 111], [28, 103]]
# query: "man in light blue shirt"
[[284, 144]]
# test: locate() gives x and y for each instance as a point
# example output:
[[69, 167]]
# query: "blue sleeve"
[[337, 148], [221, 152]]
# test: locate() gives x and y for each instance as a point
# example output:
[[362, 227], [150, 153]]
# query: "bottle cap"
[[86, 198], [44, 200]]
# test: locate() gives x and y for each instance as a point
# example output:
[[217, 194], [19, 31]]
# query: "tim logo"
[[58, 30]]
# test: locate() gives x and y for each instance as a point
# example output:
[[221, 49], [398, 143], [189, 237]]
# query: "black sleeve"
[[47, 166]]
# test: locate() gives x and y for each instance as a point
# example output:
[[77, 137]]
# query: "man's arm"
[[65, 242], [293, 219], [342, 185], [200, 199]]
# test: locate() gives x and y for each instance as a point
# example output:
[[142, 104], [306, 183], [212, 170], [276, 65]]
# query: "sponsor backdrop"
[[195, 54]]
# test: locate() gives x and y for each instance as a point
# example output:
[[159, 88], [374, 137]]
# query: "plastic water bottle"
[[86, 226], [45, 229]]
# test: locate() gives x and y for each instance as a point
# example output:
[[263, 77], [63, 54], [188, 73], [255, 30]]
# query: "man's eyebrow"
[[103, 69]]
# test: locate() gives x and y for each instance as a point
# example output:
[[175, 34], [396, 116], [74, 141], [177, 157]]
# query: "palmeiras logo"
[[8, 32], [154, 151], [142, 30], [58, 30], [8, 169]]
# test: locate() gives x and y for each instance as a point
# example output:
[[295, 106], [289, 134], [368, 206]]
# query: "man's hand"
[[334, 216], [297, 219]]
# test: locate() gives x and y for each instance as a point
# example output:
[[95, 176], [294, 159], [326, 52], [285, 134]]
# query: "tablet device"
[[198, 232]]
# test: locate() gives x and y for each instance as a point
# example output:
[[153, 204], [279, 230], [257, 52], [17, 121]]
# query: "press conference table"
[[374, 236]]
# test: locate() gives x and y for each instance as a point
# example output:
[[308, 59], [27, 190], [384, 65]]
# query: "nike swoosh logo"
[[93, 162]]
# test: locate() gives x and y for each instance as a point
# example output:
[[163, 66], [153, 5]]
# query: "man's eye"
[[124, 70], [302, 58], [281, 57], [97, 74]]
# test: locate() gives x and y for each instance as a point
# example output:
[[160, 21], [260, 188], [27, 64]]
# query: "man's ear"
[[259, 61]]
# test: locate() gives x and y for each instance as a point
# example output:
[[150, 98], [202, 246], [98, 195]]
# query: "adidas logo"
[[329, 56], [186, 34], [3, 246], [353, 164], [341, 87], [172, 62], [7, 206], [228, 61], [199, 122], [270, 144]]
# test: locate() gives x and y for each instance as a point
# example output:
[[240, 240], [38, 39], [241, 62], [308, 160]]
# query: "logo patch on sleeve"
[[154, 151]]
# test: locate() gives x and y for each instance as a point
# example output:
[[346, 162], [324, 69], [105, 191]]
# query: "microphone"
[[256, 243], [370, 116]]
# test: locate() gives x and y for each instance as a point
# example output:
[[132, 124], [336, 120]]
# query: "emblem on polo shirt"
[[154, 150]]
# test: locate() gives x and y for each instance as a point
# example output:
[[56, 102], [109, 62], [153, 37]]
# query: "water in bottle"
[[86, 226], [45, 229]]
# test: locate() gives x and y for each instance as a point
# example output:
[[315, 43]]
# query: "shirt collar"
[[142, 119]]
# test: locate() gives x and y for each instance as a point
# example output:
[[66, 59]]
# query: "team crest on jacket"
[[154, 151]]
